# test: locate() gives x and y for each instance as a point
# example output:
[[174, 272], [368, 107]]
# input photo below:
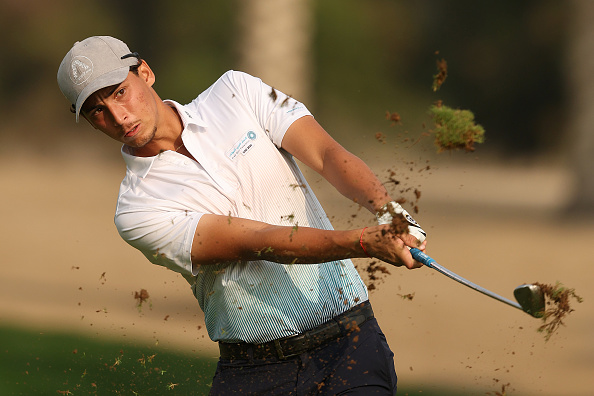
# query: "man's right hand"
[[384, 244]]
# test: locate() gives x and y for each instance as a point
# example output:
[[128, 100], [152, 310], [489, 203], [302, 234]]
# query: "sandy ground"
[[64, 267]]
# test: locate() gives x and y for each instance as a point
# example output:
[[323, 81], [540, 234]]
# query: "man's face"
[[126, 112]]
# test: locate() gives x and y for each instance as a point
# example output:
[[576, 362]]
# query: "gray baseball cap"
[[92, 64]]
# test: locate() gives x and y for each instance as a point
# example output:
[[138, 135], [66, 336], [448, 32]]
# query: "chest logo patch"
[[242, 146]]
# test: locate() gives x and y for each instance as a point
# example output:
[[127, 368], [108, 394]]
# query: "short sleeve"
[[274, 110], [164, 237]]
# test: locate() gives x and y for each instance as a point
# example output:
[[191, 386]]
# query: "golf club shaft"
[[431, 263]]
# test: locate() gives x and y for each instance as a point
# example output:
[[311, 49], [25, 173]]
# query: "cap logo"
[[81, 69]]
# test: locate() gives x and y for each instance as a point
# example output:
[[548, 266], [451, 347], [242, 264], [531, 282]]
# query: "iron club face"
[[531, 299]]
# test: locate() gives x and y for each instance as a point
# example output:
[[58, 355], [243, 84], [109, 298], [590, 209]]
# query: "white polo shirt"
[[234, 130]]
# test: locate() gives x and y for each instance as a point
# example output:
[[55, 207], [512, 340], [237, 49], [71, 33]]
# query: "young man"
[[212, 192]]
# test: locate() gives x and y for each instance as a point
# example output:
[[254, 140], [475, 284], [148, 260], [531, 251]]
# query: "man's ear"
[[145, 72]]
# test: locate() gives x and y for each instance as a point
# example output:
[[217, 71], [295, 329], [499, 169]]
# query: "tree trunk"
[[274, 44], [580, 69]]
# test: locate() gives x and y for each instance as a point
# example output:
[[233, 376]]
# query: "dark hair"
[[133, 69]]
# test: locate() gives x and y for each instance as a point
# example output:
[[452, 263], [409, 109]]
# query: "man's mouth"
[[132, 131]]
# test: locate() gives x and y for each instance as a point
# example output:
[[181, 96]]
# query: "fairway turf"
[[47, 363]]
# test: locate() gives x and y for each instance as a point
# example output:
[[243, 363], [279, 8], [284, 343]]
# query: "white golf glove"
[[387, 212]]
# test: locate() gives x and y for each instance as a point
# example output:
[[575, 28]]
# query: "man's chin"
[[141, 146]]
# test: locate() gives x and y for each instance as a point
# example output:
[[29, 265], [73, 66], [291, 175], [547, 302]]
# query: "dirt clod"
[[374, 270], [442, 73], [380, 137], [273, 94], [393, 117], [399, 224], [408, 296], [558, 306], [503, 390], [141, 297], [455, 128]]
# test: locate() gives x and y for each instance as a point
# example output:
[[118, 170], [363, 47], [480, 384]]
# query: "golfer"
[[212, 191]]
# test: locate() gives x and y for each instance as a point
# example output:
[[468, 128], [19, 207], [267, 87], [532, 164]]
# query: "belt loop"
[[279, 350], [340, 326]]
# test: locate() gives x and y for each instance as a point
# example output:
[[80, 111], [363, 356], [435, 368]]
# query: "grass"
[[34, 363], [455, 128], [51, 363]]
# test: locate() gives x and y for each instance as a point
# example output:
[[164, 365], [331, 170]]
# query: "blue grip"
[[422, 257]]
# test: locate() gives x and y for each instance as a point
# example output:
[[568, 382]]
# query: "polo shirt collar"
[[142, 165], [189, 119]]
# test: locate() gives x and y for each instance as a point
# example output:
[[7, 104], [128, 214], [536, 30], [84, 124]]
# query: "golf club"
[[530, 297]]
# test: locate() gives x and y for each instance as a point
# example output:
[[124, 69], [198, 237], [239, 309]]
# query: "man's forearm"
[[304, 245], [354, 179], [220, 238], [311, 144]]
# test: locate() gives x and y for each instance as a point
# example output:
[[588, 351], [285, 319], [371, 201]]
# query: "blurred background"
[[518, 209]]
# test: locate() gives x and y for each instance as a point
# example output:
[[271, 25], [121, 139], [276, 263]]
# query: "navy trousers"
[[358, 363]]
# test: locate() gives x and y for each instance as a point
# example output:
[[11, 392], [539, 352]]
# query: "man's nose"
[[119, 115]]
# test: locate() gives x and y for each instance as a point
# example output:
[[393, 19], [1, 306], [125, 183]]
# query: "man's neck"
[[167, 134]]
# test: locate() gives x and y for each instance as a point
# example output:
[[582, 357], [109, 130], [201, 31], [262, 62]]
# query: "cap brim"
[[108, 79]]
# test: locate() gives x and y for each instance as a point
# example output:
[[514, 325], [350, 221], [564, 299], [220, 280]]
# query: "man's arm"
[[223, 238], [311, 144]]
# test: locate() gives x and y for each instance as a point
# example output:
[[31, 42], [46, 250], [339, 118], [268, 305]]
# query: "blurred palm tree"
[[580, 72], [274, 43]]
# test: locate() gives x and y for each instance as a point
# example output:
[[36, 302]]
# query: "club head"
[[531, 299]]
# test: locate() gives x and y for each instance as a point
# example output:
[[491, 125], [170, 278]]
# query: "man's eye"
[[120, 92], [97, 111]]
